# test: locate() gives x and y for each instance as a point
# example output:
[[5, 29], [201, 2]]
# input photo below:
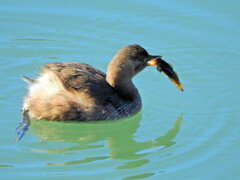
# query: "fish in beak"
[[163, 66]]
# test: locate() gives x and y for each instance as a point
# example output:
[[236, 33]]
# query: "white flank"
[[47, 84]]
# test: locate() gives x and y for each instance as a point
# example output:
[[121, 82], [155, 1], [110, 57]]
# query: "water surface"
[[190, 135]]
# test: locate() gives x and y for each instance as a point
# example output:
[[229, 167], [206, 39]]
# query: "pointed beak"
[[163, 66]]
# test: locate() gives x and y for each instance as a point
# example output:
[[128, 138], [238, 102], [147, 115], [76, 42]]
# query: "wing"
[[85, 79]]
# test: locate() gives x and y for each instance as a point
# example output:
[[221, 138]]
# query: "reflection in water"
[[119, 136], [140, 176], [3, 166]]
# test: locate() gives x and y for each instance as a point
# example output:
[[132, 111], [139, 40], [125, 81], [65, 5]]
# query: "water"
[[190, 135]]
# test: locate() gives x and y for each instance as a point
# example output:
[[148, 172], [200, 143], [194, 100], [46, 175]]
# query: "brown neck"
[[119, 75], [125, 89], [123, 86]]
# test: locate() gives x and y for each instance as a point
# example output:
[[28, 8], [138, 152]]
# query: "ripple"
[[86, 160], [139, 176], [5, 166], [47, 40]]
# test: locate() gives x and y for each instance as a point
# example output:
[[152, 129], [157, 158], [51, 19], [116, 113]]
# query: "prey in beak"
[[163, 66]]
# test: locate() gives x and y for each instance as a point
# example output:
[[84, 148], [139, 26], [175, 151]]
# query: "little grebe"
[[80, 92]]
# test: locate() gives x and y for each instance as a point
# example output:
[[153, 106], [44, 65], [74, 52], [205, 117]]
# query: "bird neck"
[[125, 88], [119, 76]]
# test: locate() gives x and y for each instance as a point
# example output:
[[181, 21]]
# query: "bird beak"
[[163, 66]]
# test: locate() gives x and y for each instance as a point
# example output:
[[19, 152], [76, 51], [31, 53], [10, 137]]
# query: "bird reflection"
[[118, 135]]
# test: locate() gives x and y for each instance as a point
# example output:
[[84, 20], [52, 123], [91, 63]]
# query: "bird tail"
[[28, 80]]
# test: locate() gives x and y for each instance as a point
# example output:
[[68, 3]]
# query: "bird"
[[79, 92]]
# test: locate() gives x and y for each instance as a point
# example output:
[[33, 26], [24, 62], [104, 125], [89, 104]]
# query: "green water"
[[190, 135]]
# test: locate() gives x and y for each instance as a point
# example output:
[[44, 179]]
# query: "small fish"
[[166, 68]]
